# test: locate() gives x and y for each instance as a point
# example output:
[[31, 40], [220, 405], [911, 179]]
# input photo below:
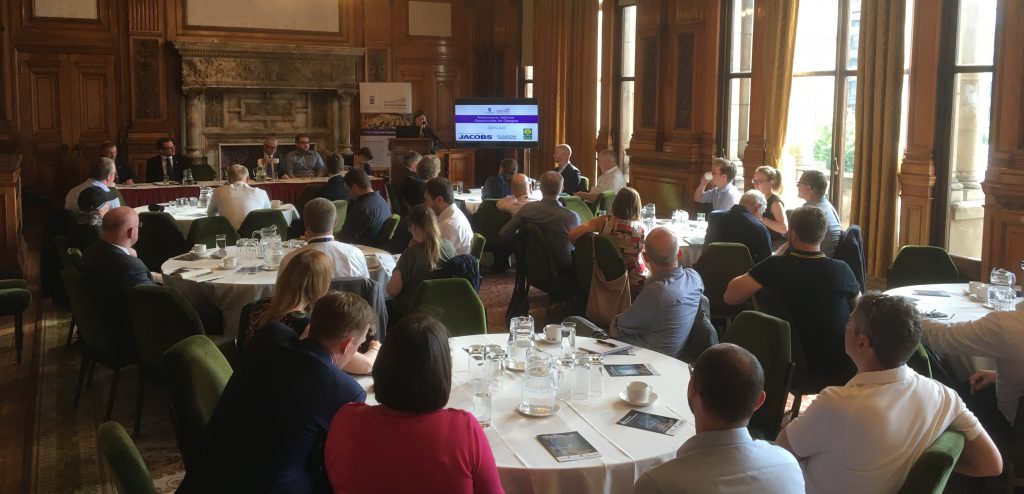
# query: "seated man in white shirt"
[[865, 436], [723, 194], [236, 199], [611, 179], [726, 387], [520, 195], [454, 225], [320, 216], [102, 174]]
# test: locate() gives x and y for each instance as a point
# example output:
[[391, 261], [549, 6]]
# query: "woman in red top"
[[410, 442]]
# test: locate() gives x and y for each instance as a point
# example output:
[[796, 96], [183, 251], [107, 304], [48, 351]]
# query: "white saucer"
[[266, 267], [654, 398], [546, 341]]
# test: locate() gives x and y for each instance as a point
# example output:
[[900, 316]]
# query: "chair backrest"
[[341, 208], [920, 362], [159, 239], [540, 266], [205, 231], [850, 250], [308, 193], [196, 373], [477, 247], [454, 302], [94, 324], [609, 260], [604, 201], [768, 338], [718, 264], [203, 173], [64, 251], [703, 334], [930, 472], [262, 218], [160, 318], [921, 265], [488, 221], [393, 200], [372, 292], [387, 230], [576, 205], [131, 476], [585, 184]]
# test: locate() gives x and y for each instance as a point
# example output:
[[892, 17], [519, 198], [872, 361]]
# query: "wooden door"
[[46, 129]]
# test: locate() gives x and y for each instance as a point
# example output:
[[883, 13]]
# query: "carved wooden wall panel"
[[145, 16], [12, 255], [42, 114], [684, 81], [147, 77]]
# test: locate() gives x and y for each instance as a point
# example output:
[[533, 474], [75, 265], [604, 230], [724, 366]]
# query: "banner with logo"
[[383, 106]]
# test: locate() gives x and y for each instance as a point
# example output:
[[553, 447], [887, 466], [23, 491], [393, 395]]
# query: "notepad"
[[605, 347], [194, 273], [568, 446], [931, 293], [619, 370]]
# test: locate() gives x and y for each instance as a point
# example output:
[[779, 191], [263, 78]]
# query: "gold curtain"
[[879, 96], [565, 81], [778, 53]]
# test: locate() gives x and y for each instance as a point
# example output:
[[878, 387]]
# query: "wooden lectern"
[[398, 146]]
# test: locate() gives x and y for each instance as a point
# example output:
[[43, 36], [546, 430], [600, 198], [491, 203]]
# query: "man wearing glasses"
[[302, 162], [164, 164]]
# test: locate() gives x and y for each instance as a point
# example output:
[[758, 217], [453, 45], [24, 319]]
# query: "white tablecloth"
[[962, 308], [474, 197], [185, 216], [229, 290], [691, 238], [523, 463]]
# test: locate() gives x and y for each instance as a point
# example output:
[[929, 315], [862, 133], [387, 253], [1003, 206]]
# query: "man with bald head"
[[662, 314], [570, 174], [726, 387], [520, 195], [551, 216], [742, 224], [236, 199], [111, 265]]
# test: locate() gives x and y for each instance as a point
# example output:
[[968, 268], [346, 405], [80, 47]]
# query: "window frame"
[[725, 83]]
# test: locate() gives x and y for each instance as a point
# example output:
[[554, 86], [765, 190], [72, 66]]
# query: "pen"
[[605, 343]]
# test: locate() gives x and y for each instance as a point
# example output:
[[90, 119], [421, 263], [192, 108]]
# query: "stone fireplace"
[[238, 93]]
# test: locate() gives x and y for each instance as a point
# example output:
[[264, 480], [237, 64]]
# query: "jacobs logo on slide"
[[463, 137]]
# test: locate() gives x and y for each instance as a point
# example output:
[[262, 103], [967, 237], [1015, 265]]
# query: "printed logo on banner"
[[527, 133], [373, 99], [463, 137]]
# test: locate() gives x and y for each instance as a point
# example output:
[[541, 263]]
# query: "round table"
[[231, 289], [283, 190], [525, 466], [186, 215], [958, 305], [691, 238]]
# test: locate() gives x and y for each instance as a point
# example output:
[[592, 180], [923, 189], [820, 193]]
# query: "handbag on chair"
[[608, 298]]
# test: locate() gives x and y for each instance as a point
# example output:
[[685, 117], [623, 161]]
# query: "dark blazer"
[[112, 273], [740, 226], [334, 189], [250, 162], [571, 178], [125, 170], [155, 169]]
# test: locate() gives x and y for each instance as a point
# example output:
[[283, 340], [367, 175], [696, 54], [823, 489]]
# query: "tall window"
[[625, 76], [965, 101], [527, 82], [822, 105], [737, 53]]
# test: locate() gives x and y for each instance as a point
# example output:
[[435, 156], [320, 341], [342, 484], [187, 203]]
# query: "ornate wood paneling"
[[685, 46], [147, 76], [145, 16], [346, 34], [65, 34], [11, 254]]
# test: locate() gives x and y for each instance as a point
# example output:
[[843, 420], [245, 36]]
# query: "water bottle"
[[1001, 292], [647, 216]]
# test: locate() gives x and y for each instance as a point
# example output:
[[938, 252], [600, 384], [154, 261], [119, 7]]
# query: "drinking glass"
[[565, 365], [680, 216], [495, 368], [1001, 292], [222, 242], [568, 343], [580, 376], [475, 363], [482, 403], [461, 186], [193, 202], [700, 217], [596, 375]]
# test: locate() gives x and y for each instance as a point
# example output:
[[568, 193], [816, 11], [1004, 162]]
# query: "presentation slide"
[[496, 123]]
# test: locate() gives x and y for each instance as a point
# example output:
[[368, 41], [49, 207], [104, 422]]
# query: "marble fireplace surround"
[[296, 89]]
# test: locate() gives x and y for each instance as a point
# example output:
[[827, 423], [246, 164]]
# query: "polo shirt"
[[609, 181], [456, 229], [347, 261], [723, 198], [725, 462], [817, 290], [865, 436]]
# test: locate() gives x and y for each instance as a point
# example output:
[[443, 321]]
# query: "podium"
[[398, 146]]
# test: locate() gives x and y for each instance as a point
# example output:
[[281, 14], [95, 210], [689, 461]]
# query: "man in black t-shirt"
[[815, 293]]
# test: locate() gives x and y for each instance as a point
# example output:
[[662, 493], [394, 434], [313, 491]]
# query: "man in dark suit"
[[268, 153], [367, 210], [165, 163], [570, 174], [125, 170], [334, 189], [268, 428], [112, 267], [742, 224]]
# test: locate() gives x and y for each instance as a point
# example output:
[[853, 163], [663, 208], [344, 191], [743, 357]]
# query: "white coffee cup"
[[979, 290], [638, 392], [199, 249], [553, 332], [708, 176], [229, 262], [276, 203]]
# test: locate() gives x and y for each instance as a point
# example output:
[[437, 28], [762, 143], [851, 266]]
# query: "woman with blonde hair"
[[768, 180], [425, 254], [302, 282], [623, 224]]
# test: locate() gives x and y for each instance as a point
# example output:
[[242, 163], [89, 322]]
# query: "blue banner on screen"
[[499, 123]]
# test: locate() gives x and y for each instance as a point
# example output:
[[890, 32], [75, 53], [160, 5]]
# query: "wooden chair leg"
[[71, 332], [113, 393], [19, 336], [137, 428], [81, 380]]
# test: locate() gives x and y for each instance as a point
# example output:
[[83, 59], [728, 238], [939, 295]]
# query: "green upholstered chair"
[[453, 302], [920, 362], [718, 264], [703, 334], [393, 200], [609, 259], [69, 258], [159, 239], [576, 205], [930, 472], [488, 220], [101, 342], [263, 218], [477, 247], [120, 197], [203, 173], [585, 184], [387, 230], [308, 194], [341, 207], [604, 201], [196, 373], [205, 231], [768, 338], [921, 265], [14, 299], [131, 476]]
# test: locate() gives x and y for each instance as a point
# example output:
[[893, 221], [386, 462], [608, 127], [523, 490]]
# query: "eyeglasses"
[[758, 182]]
